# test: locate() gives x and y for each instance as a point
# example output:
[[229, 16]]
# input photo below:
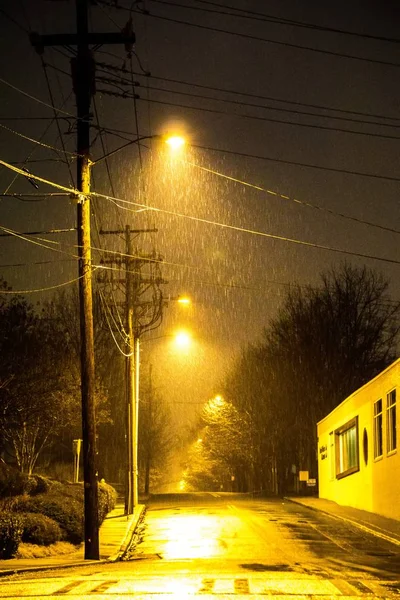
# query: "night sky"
[[276, 89]]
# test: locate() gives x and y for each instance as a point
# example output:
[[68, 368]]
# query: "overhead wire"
[[263, 17], [43, 289], [57, 121], [294, 200], [252, 231], [38, 142], [17, 89], [223, 225], [243, 35], [297, 163], [106, 310], [23, 237], [259, 106], [259, 118], [236, 92]]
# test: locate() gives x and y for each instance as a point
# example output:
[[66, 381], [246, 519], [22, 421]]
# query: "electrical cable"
[[105, 310], [136, 113], [257, 16], [294, 200], [38, 142], [60, 110], [262, 39], [260, 106], [221, 225], [296, 163], [246, 94], [57, 122], [44, 289], [58, 186], [21, 236], [266, 119], [277, 42], [252, 231]]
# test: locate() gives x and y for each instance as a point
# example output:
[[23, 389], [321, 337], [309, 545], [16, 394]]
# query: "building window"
[[391, 421], [332, 455], [346, 449], [378, 417]]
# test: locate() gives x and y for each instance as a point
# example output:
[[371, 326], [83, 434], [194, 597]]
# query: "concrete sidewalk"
[[382, 527], [115, 534]]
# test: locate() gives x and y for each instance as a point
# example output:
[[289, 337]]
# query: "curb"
[[136, 518], [374, 532], [138, 515]]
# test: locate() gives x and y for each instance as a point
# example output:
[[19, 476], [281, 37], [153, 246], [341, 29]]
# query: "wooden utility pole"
[[140, 315], [131, 367], [83, 74], [83, 82]]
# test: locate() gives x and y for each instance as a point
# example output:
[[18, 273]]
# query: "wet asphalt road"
[[225, 546]]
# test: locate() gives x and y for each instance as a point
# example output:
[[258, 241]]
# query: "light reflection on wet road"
[[224, 546]]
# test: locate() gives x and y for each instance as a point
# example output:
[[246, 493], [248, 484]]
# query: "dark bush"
[[12, 481], [107, 500], [39, 529], [10, 534], [40, 485], [65, 510]]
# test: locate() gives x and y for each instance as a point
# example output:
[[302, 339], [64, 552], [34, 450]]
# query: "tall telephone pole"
[[140, 315], [83, 82], [83, 73]]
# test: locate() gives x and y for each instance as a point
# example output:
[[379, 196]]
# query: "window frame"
[[351, 424], [391, 425], [378, 419]]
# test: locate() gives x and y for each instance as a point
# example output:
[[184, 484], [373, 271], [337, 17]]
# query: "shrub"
[[40, 485], [10, 534], [12, 481], [65, 510], [107, 500], [39, 529]]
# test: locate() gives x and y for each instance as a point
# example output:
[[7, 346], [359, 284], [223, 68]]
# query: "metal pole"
[[150, 421], [83, 99], [135, 424]]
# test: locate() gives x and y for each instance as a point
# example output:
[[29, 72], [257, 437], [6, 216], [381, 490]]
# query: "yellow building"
[[358, 454]]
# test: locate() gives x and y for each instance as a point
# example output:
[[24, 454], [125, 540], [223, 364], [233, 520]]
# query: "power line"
[[38, 142], [57, 122], [261, 106], [221, 225], [43, 289], [247, 94], [17, 89], [252, 231], [294, 200], [269, 41], [297, 164], [266, 18], [270, 119]]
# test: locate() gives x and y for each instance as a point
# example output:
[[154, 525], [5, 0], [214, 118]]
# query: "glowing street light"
[[184, 300], [183, 340], [175, 142]]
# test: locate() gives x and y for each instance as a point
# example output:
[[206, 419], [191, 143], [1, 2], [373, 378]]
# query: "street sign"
[[303, 475]]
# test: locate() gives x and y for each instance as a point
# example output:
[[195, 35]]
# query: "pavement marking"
[[360, 586], [67, 588], [103, 587], [207, 586], [241, 586]]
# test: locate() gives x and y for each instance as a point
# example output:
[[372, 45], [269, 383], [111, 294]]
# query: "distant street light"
[[184, 300], [183, 340]]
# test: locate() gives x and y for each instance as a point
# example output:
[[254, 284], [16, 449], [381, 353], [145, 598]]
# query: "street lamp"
[[174, 142]]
